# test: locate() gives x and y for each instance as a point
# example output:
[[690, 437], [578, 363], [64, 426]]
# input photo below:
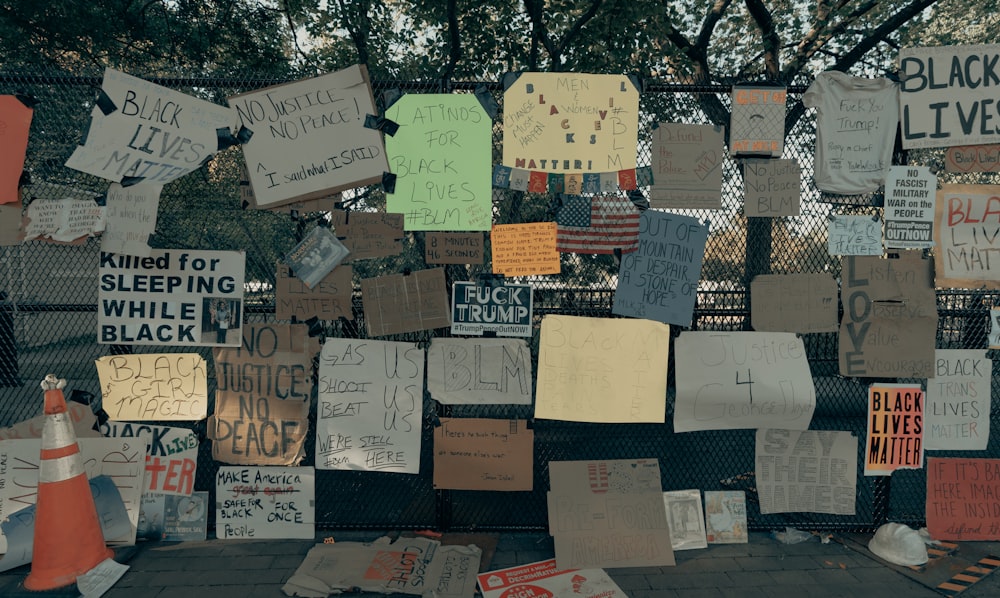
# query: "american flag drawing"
[[613, 223]]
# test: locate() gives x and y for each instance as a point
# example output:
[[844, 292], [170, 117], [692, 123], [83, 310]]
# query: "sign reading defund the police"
[[171, 297], [503, 309]]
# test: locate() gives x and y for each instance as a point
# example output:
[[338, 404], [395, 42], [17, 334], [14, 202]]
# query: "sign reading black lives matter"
[[171, 297], [309, 137], [504, 309], [139, 130]]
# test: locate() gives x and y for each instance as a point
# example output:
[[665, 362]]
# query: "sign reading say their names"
[[733, 380], [168, 298], [497, 307], [265, 502], [479, 371], [157, 387], [812, 471]]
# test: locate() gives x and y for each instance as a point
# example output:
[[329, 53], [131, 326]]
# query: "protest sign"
[[726, 517], [757, 122], [570, 122], [262, 397], [173, 518], [812, 471], [660, 280], [543, 579], [483, 454], [895, 428], [803, 303], [171, 297], [852, 234], [315, 256], [685, 518], [957, 416], [909, 207], [15, 122], [10, 224], [81, 416], [491, 306], [401, 303], [309, 137], [172, 458], [602, 370], [966, 232], [328, 299], [368, 235], [131, 219], [687, 166], [265, 502], [142, 132], [370, 405], [733, 380], [479, 371], [889, 322], [453, 248], [944, 95], [593, 511], [772, 188], [963, 499], [325, 203], [65, 220], [524, 249], [972, 158], [441, 157], [154, 386]]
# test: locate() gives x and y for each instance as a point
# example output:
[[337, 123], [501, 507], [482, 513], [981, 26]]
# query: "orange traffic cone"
[[68, 537]]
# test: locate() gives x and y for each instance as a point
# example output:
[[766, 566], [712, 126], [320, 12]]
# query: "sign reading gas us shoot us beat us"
[[503, 309]]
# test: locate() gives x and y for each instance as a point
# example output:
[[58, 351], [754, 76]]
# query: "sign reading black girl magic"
[[171, 297]]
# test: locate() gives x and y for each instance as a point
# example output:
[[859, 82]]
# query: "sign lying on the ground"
[[543, 579], [265, 502]]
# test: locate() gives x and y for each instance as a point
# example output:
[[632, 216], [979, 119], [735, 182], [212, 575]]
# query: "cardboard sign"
[[909, 207], [772, 188], [545, 579], [453, 248], [370, 406], [813, 471], [140, 131], [593, 507], [329, 299], [310, 138], [963, 503], [131, 219], [726, 517], [265, 502], [441, 157], [966, 228], [943, 96], [64, 220], [802, 303], [757, 122], [660, 280], [497, 307], [851, 234], [417, 566], [602, 370], [525, 249], [262, 400], [972, 158], [483, 454], [368, 235], [474, 371], [895, 428], [172, 459], [171, 297], [400, 303], [890, 317], [570, 122], [732, 380], [154, 387], [957, 416], [687, 166], [15, 122]]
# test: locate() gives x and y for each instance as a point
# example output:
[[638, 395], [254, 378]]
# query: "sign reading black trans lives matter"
[[503, 309], [171, 297]]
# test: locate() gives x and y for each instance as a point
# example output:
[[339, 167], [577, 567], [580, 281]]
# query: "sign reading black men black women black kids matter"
[[171, 297]]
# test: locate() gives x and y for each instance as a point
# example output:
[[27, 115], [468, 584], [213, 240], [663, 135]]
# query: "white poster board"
[[812, 471], [265, 502], [172, 458], [957, 413], [154, 386], [910, 193], [479, 371]]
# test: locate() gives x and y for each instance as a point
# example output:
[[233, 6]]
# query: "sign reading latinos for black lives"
[[265, 502], [910, 193], [948, 95], [504, 309], [309, 137], [139, 130], [171, 297], [570, 123]]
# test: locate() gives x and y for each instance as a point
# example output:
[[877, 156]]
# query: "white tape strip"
[[60, 469]]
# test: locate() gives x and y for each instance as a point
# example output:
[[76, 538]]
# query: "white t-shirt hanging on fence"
[[856, 122]]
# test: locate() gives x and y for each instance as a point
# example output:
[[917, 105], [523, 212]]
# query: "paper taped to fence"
[[479, 371], [265, 502], [154, 386], [957, 414], [812, 471]]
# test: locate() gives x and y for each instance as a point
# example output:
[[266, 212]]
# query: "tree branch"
[[534, 9], [768, 37], [455, 52]]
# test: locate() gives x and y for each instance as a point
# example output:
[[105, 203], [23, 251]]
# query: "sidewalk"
[[762, 568]]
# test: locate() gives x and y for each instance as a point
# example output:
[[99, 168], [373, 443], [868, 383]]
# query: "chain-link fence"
[[48, 313]]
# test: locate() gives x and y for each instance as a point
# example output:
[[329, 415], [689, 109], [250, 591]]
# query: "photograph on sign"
[[686, 519], [726, 517], [316, 256]]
